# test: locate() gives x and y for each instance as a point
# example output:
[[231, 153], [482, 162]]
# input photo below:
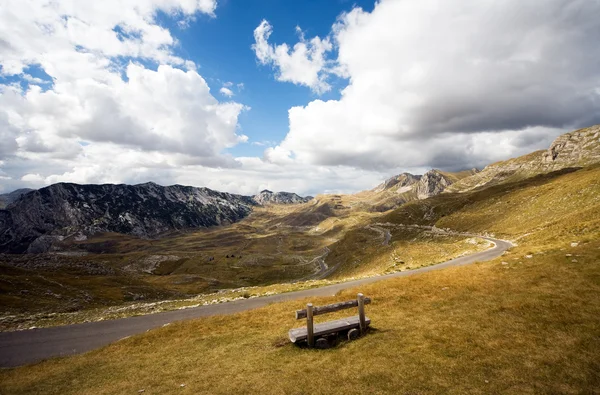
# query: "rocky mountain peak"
[[33, 222], [400, 182], [432, 183], [268, 197], [579, 146]]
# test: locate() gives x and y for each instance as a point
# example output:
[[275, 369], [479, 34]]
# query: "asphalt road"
[[29, 346]]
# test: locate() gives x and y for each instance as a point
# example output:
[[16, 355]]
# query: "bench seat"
[[325, 328]]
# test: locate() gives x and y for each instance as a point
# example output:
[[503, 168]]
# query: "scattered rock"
[[505, 263], [568, 254], [574, 260], [140, 391], [574, 244], [528, 256], [445, 288]]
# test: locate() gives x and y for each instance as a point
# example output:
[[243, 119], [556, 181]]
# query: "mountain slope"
[[33, 222], [8, 198], [269, 197], [575, 149], [407, 187]]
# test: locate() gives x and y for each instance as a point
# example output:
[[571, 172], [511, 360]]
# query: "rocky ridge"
[[36, 220], [266, 197], [8, 198], [575, 149]]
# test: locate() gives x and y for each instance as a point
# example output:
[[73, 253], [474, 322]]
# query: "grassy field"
[[528, 326], [113, 275], [524, 323]]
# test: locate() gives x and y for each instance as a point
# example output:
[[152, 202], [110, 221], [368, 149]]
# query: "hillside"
[[269, 197], [575, 149], [37, 220], [8, 198], [524, 323], [40, 221], [407, 187]]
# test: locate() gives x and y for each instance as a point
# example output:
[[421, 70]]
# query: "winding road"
[[29, 346]]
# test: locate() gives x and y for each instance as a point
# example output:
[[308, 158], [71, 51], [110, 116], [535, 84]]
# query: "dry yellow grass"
[[527, 327]]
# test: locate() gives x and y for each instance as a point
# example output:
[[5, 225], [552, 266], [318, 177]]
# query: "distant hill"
[[407, 187], [267, 197], [8, 198]]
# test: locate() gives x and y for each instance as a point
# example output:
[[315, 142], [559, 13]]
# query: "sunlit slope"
[[527, 327], [542, 212], [579, 148]]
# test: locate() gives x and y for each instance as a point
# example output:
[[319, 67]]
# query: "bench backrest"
[[311, 311], [330, 308]]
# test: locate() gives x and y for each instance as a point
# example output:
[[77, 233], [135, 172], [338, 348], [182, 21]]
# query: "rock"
[[144, 210], [505, 263], [574, 244], [528, 256], [445, 288], [574, 260], [432, 183], [266, 197], [403, 183], [568, 254], [571, 150], [181, 385]]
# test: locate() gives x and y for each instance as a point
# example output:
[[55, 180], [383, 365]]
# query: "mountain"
[[8, 198], [34, 222], [575, 149], [400, 183], [268, 197], [407, 187]]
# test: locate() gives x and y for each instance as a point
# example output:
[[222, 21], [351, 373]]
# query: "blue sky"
[[221, 46], [130, 92]]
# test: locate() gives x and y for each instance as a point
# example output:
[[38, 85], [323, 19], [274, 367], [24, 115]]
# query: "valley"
[[286, 243]]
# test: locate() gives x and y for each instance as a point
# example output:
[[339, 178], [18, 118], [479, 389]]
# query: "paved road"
[[29, 346]]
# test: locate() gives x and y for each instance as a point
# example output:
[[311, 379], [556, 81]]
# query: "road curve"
[[29, 346]]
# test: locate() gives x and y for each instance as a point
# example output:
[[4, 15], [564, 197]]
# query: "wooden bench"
[[355, 325]]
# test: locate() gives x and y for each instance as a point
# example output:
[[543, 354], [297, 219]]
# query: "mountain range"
[[33, 220]]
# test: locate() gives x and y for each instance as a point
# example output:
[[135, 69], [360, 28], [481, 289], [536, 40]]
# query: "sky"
[[306, 96]]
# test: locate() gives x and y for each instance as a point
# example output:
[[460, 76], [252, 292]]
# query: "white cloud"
[[123, 112], [304, 64], [449, 83], [226, 92]]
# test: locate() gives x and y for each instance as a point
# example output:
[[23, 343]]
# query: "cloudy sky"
[[308, 96]]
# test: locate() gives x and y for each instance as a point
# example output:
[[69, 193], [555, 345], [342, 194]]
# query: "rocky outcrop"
[[579, 147], [37, 219], [432, 183], [575, 149], [266, 197], [8, 198], [401, 183]]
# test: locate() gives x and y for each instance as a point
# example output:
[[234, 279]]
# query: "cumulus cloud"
[[102, 110], [450, 83], [304, 64], [226, 92]]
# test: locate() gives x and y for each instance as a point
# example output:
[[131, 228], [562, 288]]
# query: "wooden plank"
[[309, 325], [361, 313], [317, 310], [325, 328]]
